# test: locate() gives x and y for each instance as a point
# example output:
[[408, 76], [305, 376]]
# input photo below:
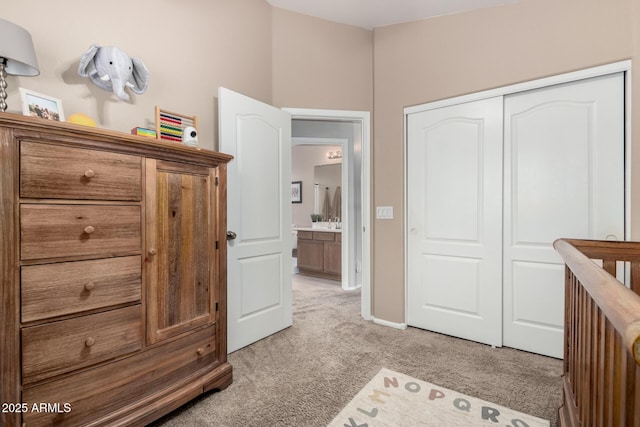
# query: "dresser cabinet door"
[[181, 260]]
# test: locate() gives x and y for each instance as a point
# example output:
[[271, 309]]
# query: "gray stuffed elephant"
[[111, 69]]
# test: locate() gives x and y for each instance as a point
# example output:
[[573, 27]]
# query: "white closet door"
[[454, 202], [564, 177]]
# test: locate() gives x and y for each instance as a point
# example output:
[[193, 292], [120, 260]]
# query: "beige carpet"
[[305, 375], [392, 399]]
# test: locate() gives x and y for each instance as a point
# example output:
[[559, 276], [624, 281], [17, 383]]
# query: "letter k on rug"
[[397, 400]]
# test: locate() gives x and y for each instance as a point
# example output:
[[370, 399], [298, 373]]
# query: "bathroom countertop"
[[326, 230]]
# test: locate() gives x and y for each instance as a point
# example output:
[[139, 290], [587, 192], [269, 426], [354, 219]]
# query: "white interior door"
[[259, 213], [564, 177], [454, 206]]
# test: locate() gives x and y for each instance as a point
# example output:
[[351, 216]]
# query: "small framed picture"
[[35, 104], [296, 192]]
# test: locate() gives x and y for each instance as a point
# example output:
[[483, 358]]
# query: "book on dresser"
[[113, 272]]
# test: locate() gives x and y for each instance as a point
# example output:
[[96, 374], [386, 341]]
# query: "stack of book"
[[143, 132]]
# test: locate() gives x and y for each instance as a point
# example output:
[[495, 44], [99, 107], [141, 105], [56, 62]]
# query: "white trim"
[[364, 117], [602, 70], [627, 153], [405, 228], [389, 324]]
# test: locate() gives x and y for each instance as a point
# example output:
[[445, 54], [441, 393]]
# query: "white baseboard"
[[389, 324]]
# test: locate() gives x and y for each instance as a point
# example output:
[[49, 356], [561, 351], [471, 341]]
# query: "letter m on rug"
[[376, 396]]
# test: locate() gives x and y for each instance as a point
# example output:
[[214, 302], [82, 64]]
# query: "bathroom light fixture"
[[17, 56], [334, 154]]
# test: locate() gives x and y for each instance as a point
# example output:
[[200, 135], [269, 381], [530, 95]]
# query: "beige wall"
[[190, 48], [458, 54], [321, 64]]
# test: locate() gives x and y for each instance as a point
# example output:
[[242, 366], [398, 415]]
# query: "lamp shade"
[[16, 46]]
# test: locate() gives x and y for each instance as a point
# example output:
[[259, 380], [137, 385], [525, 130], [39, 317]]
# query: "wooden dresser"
[[113, 271]]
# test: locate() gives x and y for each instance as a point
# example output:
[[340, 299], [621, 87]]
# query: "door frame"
[[616, 67], [362, 117]]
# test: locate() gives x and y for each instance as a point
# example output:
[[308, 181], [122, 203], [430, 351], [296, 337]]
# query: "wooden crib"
[[602, 334]]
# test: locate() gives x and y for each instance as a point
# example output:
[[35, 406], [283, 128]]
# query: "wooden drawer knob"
[[200, 351], [89, 173], [153, 251], [89, 229], [89, 286], [89, 342]]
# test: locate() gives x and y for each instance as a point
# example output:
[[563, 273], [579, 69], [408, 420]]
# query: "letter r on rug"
[[490, 414]]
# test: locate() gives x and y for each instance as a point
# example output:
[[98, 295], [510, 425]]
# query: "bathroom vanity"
[[320, 252]]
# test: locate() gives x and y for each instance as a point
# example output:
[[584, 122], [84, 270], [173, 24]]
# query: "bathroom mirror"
[[329, 179]]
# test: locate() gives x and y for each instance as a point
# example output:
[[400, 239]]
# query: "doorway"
[[321, 172], [348, 130], [258, 135]]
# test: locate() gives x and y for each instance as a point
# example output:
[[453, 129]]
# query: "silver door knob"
[[231, 235]]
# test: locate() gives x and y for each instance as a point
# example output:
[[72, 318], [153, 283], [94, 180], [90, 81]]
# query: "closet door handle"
[[231, 235]]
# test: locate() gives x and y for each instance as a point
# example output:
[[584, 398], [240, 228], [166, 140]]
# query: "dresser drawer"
[[58, 347], [58, 172], [71, 287], [95, 393], [50, 231]]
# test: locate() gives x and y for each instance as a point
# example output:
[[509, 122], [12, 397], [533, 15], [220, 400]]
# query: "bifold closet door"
[[480, 225], [454, 163], [564, 177]]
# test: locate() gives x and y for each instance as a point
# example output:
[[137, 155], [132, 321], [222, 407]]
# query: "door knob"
[[231, 235]]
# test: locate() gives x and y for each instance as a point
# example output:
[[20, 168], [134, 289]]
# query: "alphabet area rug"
[[397, 400]]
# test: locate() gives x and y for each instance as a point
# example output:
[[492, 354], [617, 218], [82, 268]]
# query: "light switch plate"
[[384, 212]]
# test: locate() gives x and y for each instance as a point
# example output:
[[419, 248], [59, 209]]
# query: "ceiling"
[[370, 14]]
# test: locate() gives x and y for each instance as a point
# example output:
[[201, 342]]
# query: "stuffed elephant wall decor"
[[111, 69]]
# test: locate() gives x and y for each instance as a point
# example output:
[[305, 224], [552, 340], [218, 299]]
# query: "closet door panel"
[[564, 178], [454, 205]]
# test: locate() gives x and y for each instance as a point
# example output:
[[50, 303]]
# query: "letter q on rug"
[[397, 400]]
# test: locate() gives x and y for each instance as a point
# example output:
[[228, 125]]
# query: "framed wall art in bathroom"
[[296, 192]]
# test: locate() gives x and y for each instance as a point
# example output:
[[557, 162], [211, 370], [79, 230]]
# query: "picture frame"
[[39, 105], [296, 191]]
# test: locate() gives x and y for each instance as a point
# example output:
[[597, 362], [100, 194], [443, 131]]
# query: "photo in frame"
[[296, 192], [36, 104]]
